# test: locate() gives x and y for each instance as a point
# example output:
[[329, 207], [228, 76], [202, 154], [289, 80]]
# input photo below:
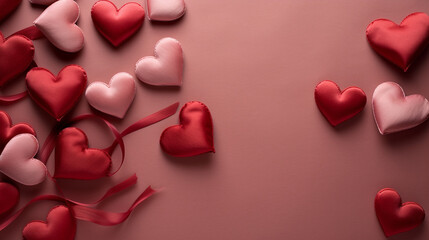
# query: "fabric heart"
[[165, 10], [115, 98], [117, 25], [7, 7], [56, 95], [16, 55], [394, 216], [338, 106], [400, 44], [58, 24], [74, 160], [166, 68], [193, 136], [9, 197], [394, 112], [42, 2], [17, 162], [60, 225], [7, 131]]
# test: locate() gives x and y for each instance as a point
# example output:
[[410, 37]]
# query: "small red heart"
[[74, 160], [60, 225], [117, 25], [16, 55], [7, 131], [402, 43], [7, 7], [9, 197], [338, 106], [56, 95], [193, 136], [394, 216]]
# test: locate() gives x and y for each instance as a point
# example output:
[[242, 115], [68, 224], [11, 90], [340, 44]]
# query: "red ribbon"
[[32, 33], [13, 98]]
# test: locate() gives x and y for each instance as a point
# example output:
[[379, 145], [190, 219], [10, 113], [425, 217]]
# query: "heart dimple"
[[7, 7], [8, 131], [9, 197], [165, 10]]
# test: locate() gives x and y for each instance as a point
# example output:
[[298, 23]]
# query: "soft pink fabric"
[[165, 10]]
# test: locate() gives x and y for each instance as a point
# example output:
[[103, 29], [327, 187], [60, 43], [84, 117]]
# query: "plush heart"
[[7, 7], [394, 216], [17, 162], [165, 10], [74, 160], [58, 24], [7, 131], [16, 55], [394, 112], [56, 95], [42, 2], [193, 136], [338, 106], [117, 25], [115, 98], [60, 225], [400, 44], [166, 68], [9, 197]]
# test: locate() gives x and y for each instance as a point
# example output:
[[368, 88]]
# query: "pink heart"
[[42, 2], [165, 68], [17, 162], [393, 111], [114, 98], [58, 24], [165, 10]]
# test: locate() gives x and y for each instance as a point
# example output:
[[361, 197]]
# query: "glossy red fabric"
[[193, 136], [338, 106], [9, 197], [56, 95], [117, 25], [8, 131], [402, 43], [7, 7], [394, 216]]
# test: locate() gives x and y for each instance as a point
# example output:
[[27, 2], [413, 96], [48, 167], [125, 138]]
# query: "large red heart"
[[193, 136], [74, 160], [117, 25], [338, 106], [16, 55], [394, 216], [9, 197], [7, 7], [60, 225], [56, 95], [401, 43], [7, 131]]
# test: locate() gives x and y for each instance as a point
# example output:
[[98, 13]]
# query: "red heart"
[[193, 136], [56, 95], [7, 131], [74, 160], [117, 25], [9, 197], [16, 55], [7, 7], [338, 106], [402, 43], [394, 216], [60, 225]]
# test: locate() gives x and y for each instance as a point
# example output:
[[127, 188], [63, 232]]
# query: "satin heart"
[[115, 98], [74, 160], [166, 68], [394, 216], [56, 95], [60, 225], [193, 136], [165, 10], [9, 197], [7, 131], [17, 162], [58, 24], [42, 2], [338, 106], [16, 55], [117, 25], [7, 7], [394, 112], [400, 44]]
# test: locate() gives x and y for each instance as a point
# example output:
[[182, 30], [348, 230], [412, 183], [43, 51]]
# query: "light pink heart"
[[165, 68], [115, 98], [58, 24], [165, 10], [394, 112], [42, 2], [17, 160]]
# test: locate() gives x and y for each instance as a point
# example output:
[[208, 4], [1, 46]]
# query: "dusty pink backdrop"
[[280, 170]]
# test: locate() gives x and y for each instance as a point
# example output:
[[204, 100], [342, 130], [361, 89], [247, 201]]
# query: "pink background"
[[280, 170]]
